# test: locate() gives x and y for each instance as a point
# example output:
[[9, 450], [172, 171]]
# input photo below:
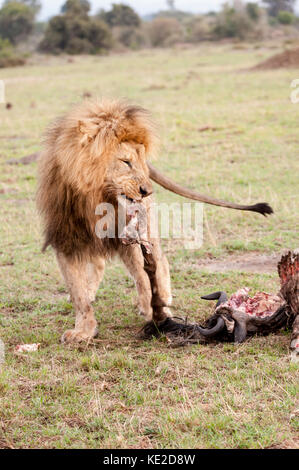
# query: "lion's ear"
[[88, 130]]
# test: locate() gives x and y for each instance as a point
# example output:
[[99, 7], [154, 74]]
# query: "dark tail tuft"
[[262, 208]]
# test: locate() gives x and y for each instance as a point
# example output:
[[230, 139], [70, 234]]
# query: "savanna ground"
[[120, 392]]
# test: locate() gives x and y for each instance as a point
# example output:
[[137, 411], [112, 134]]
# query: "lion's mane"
[[77, 150]]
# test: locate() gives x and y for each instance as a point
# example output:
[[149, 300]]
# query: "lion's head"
[[103, 146]]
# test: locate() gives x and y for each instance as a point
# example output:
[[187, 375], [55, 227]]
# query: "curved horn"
[[240, 332], [262, 208], [220, 296], [209, 332]]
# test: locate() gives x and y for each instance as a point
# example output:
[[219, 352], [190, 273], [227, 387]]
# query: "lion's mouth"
[[131, 199]]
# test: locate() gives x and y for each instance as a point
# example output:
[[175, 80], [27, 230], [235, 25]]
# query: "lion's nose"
[[145, 191]]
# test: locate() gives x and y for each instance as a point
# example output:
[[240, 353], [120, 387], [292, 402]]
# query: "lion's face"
[[127, 174]]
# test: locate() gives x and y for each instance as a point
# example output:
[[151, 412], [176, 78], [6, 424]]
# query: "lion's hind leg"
[[76, 278]]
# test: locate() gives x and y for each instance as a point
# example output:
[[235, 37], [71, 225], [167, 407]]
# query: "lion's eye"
[[127, 162]]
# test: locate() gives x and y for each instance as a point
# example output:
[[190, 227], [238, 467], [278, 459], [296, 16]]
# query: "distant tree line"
[[76, 31]]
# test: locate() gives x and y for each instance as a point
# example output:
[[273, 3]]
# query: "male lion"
[[92, 155]]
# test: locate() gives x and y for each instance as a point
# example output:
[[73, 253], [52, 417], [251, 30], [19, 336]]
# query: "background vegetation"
[[76, 31]]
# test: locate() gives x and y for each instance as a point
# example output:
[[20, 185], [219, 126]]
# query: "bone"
[[135, 230]]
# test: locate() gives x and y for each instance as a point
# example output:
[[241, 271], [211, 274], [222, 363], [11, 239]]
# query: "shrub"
[[243, 22], [231, 23], [253, 10], [76, 33], [133, 38], [8, 55], [199, 28], [78, 46], [164, 32], [16, 21], [275, 6], [55, 39], [286, 17], [100, 35], [121, 15], [76, 7]]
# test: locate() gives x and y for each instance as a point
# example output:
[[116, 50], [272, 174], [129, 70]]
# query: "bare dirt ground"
[[287, 59], [248, 263]]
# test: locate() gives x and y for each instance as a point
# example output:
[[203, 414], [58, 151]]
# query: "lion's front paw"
[[77, 336]]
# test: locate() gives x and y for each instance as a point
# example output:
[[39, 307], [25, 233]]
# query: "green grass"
[[120, 392]]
